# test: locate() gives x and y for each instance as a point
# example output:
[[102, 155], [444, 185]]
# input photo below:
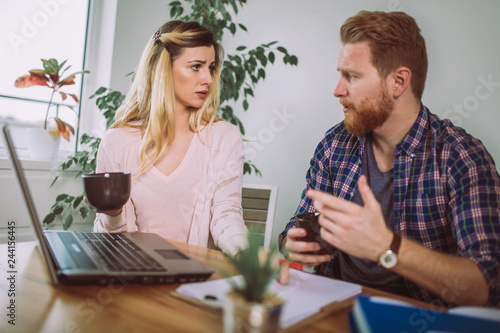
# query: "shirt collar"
[[413, 140]]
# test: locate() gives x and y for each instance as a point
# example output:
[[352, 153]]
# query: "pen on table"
[[291, 264]]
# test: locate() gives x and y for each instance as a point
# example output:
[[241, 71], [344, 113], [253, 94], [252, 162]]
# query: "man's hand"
[[357, 230], [297, 250]]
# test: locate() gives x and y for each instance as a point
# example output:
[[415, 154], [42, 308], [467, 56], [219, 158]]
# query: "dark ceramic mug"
[[107, 191], [309, 222]]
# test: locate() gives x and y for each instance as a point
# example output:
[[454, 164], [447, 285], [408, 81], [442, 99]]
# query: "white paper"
[[304, 295], [477, 312]]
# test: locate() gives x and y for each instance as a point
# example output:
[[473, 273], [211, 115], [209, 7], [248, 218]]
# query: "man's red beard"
[[371, 113]]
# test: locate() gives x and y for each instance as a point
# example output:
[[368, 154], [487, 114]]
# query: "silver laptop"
[[78, 258]]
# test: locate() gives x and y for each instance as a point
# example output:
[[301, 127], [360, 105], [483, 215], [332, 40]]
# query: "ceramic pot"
[[41, 144], [249, 317]]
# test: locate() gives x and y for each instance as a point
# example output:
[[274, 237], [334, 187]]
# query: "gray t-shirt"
[[364, 271]]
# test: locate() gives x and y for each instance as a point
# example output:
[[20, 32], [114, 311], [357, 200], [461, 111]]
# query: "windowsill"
[[30, 164]]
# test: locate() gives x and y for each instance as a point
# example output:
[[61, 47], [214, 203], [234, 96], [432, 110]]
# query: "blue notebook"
[[373, 316]]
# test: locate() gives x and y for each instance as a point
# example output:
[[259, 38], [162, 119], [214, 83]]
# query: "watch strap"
[[396, 243]]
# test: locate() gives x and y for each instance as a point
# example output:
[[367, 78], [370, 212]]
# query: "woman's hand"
[[107, 212]]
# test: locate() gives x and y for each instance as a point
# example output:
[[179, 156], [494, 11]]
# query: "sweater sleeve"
[[227, 225], [111, 157]]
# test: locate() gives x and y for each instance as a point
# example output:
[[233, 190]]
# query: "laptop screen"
[[35, 221]]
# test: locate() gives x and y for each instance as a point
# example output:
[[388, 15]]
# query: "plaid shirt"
[[446, 193]]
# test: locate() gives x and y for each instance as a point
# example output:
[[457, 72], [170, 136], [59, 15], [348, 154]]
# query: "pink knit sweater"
[[199, 203]]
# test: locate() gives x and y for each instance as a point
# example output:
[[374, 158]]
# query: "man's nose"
[[340, 89]]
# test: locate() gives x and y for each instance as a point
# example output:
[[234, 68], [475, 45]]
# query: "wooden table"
[[40, 307]]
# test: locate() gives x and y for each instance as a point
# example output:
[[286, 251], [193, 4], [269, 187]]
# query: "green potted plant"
[[242, 71], [244, 68], [250, 306], [83, 161], [44, 143]]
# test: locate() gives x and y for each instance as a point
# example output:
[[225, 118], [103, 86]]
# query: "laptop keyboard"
[[118, 253]]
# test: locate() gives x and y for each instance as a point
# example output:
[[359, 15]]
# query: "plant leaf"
[[29, 80], [51, 65], [68, 222], [271, 57], [75, 98], [78, 200], [49, 218], [58, 209], [84, 212], [282, 49], [64, 129], [61, 197], [67, 81], [99, 91]]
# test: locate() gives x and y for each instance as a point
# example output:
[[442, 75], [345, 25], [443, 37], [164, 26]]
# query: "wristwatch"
[[389, 259]]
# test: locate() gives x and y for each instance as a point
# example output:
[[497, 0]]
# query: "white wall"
[[13, 206], [463, 49]]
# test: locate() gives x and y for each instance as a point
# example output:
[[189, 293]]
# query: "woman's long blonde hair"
[[150, 103]]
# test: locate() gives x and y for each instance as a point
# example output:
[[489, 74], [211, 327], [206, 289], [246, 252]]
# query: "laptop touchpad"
[[171, 254]]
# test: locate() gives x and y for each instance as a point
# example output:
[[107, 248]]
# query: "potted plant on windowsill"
[[44, 143], [250, 306]]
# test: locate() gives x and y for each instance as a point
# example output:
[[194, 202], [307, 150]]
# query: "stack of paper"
[[304, 295]]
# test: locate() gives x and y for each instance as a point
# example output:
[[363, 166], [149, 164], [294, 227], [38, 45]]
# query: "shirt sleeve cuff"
[[111, 223], [233, 244]]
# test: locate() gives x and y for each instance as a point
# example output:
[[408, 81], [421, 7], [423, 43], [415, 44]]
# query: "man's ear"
[[400, 81]]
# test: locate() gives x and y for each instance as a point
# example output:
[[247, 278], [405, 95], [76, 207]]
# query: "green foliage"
[[244, 68], [257, 267], [50, 76], [108, 102], [84, 161], [242, 71]]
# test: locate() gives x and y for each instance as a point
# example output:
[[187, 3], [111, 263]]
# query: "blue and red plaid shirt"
[[446, 192]]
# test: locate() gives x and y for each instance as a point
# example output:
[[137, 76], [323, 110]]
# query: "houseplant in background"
[[44, 143], [242, 71], [244, 68], [250, 306], [83, 161]]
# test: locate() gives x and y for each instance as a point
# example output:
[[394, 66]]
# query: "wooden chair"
[[259, 203]]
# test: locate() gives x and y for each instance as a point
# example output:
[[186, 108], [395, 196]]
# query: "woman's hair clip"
[[157, 37]]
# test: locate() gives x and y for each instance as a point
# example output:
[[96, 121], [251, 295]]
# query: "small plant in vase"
[[250, 306], [51, 76]]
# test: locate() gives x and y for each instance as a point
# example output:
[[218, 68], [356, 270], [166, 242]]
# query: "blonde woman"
[[186, 164]]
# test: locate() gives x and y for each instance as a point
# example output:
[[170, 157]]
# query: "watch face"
[[388, 259]]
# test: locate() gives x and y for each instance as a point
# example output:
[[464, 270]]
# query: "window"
[[34, 30]]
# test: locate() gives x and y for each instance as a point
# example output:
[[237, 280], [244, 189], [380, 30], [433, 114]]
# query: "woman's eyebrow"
[[201, 61]]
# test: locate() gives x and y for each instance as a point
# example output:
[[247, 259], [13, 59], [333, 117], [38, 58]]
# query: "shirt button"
[[412, 155]]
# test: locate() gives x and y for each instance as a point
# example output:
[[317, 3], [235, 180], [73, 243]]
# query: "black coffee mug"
[[309, 222], [107, 191]]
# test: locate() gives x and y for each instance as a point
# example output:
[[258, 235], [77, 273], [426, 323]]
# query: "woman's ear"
[[400, 81]]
